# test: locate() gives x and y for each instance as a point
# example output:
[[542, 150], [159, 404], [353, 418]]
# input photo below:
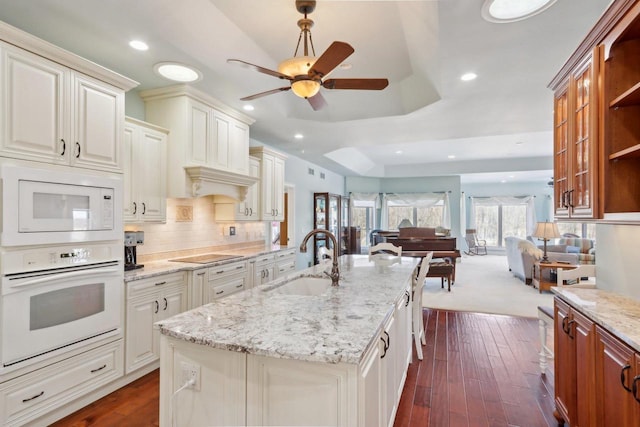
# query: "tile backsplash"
[[191, 228]]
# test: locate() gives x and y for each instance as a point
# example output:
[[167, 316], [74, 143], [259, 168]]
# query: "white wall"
[[617, 266]]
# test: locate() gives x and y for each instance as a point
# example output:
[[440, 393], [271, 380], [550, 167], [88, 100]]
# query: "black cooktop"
[[206, 258]]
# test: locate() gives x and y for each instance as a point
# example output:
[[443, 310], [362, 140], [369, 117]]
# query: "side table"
[[538, 278]]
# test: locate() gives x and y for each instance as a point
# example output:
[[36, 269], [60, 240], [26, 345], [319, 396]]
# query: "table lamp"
[[546, 231]]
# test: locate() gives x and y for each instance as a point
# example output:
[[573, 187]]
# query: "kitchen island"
[[294, 352]]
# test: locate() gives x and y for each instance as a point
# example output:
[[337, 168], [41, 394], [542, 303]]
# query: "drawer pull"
[[239, 286], [99, 369], [219, 292], [34, 397], [219, 271], [239, 267], [201, 274], [161, 283], [623, 377], [385, 348]]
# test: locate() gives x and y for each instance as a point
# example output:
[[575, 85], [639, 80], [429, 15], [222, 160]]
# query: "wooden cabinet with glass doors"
[[575, 142], [328, 214]]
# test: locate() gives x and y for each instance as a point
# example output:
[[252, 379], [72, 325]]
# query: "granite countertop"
[[618, 314], [336, 326], [157, 268]]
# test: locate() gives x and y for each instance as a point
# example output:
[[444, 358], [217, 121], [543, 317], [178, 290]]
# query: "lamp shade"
[[299, 66], [405, 223], [546, 230]]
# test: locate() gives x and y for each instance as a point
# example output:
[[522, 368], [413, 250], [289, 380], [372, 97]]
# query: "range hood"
[[206, 181]]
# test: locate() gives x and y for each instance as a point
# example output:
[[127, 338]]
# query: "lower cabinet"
[[263, 269], [285, 262], [225, 280], [148, 301], [31, 396], [596, 374]]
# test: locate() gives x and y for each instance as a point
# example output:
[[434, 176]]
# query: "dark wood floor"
[[478, 370]]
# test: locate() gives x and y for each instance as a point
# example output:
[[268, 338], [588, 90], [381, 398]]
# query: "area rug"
[[484, 284]]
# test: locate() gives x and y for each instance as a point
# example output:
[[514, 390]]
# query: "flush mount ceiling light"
[[177, 72], [138, 45], [502, 11], [467, 77], [298, 136], [248, 107]]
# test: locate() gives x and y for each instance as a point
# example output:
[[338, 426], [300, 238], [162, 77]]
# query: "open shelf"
[[633, 151], [629, 97]]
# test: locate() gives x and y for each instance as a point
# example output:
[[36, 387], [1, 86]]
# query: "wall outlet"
[[232, 231], [191, 371]]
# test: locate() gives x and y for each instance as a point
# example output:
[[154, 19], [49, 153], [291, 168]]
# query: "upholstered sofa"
[[584, 248], [522, 254]]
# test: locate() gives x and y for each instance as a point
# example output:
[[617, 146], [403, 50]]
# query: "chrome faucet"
[[335, 274]]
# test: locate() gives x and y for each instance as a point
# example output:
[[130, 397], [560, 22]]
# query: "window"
[[363, 216], [587, 231], [421, 209], [497, 218]]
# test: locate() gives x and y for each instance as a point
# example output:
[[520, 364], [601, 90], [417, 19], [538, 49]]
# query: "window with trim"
[[584, 230], [421, 209], [495, 218], [363, 215]]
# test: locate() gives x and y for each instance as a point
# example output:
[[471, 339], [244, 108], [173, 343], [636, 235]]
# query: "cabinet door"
[[564, 363], [129, 204], [199, 133], [249, 209], [34, 103], [582, 332], [582, 195], [370, 387], [198, 280], [239, 148], [152, 165], [278, 189], [139, 334], [560, 152], [268, 186], [221, 135], [616, 405], [388, 371], [98, 117], [403, 349]]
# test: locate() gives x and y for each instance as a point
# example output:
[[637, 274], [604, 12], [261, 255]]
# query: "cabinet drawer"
[[33, 395], [231, 285], [264, 259], [285, 266], [284, 254], [152, 284], [226, 269]]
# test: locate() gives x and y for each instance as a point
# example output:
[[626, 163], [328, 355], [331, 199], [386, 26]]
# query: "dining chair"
[[324, 255], [417, 320], [387, 248]]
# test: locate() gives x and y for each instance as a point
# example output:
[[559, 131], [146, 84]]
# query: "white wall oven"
[[45, 205], [59, 298]]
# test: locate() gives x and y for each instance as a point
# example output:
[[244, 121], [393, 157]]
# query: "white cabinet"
[[145, 165], [56, 115], [263, 269], [30, 396], [285, 262], [197, 282], [272, 183], [148, 301], [204, 133], [370, 394], [247, 210], [225, 280]]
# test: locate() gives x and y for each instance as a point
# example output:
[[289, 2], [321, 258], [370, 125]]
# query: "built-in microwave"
[[47, 204]]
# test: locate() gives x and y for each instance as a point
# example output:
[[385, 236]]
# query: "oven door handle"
[[69, 275]]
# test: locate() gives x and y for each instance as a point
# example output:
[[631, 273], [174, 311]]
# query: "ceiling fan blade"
[[269, 92], [330, 59], [259, 68], [317, 102], [364, 84]]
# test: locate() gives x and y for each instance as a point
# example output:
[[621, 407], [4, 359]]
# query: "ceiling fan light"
[[296, 66], [305, 88]]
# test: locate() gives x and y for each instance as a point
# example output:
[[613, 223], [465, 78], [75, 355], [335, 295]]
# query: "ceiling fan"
[[306, 73]]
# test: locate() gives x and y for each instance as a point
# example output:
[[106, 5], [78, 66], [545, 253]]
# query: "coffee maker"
[[131, 240]]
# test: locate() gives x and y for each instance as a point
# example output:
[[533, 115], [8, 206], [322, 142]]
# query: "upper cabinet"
[[145, 164], [209, 141], [272, 183], [59, 108], [621, 77], [596, 126], [575, 149]]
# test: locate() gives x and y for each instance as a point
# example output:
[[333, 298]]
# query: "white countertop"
[[618, 314], [156, 268], [337, 326]]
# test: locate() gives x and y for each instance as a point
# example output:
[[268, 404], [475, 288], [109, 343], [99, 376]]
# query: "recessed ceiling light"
[[502, 11], [399, 152], [503, 181], [138, 45], [451, 156], [519, 142], [248, 107], [511, 176], [298, 136], [177, 72], [468, 77], [345, 66]]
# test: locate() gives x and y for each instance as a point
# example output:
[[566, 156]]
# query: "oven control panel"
[[44, 258]]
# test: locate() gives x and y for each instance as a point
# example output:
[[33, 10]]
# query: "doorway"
[[287, 227]]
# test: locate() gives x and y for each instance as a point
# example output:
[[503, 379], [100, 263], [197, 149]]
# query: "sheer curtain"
[[419, 200]]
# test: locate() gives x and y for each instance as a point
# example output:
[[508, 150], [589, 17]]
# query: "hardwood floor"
[[478, 370]]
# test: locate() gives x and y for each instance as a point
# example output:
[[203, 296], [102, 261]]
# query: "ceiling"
[[497, 126]]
